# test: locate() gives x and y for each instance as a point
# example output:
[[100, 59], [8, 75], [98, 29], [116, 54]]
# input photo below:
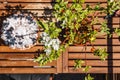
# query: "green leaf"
[[97, 7], [117, 31], [86, 68], [79, 1], [101, 53], [113, 6], [40, 24], [43, 25], [78, 63], [88, 77], [104, 28], [77, 26], [82, 1]]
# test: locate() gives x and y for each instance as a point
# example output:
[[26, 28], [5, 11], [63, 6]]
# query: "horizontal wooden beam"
[[90, 56], [27, 70], [82, 49], [95, 70], [24, 63], [33, 49], [42, 6], [17, 55], [52, 0], [97, 63], [36, 49]]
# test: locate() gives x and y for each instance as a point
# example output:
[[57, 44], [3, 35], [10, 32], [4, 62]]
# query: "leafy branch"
[[78, 63], [101, 53]]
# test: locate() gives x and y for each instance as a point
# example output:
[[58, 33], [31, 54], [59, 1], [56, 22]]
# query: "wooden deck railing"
[[17, 61]]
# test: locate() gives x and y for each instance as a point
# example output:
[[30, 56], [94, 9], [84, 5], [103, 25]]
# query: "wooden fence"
[[17, 61], [21, 61]]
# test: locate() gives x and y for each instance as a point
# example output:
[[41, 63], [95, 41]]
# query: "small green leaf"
[[78, 64], [117, 31], [104, 29], [97, 7], [88, 77], [86, 68], [101, 53]]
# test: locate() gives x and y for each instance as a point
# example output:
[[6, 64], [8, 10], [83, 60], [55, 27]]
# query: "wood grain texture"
[[65, 61], [43, 6], [97, 63], [52, 0], [23, 63], [59, 64], [82, 49], [95, 70], [27, 70], [8, 49], [89, 56], [17, 55]]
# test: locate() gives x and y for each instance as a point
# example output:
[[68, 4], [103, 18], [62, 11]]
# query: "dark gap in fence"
[[110, 49]]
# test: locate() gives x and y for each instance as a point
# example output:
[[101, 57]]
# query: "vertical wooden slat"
[[65, 61], [59, 64]]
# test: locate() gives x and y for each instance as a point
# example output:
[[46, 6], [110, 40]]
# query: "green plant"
[[76, 22], [117, 31], [110, 10], [104, 28], [113, 5], [78, 63], [76, 27], [86, 68], [52, 44], [101, 53], [88, 77]]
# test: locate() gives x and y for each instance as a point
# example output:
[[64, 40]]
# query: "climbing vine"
[[74, 25]]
